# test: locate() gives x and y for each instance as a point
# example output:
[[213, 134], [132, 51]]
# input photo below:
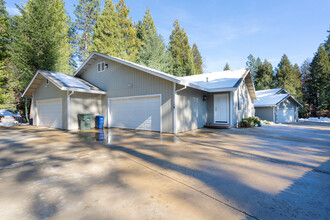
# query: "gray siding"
[[289, 103], [121, 81], [264, 113], [44, 92], [191, 109], [84, 103], [241, 94]]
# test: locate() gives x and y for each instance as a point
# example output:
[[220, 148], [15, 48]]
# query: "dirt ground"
[[272, 172]]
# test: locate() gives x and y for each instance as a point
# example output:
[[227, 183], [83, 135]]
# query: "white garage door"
[[141, 113], [50, 113], [285, 115]]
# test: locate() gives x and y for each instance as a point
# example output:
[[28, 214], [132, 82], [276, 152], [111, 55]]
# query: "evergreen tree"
[[181, 56], [327, 44], [226, 67], [4, 31], [318, 84], [297, 80], [198, 61], [153, 50], [40, 40], [130, 47], [264, 77], [253, 64], [86, 13], [6, 92], [107, 36], [72, 40], [287, 78]]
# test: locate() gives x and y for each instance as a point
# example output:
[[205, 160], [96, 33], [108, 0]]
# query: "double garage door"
[[141, 113], [49, 113], [285, 115]]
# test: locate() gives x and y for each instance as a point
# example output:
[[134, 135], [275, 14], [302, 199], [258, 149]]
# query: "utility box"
[[85, 121]]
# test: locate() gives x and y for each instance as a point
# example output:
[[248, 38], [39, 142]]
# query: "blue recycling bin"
[[99, 121]]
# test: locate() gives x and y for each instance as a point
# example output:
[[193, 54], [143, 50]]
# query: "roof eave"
[[264, 106], [229, 89], [83, 90]]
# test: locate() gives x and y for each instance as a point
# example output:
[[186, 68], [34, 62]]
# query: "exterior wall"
[[44, 92], [121, 81], [289, 103], [191, 109], [265, 113], [84, 103], [241, 94]]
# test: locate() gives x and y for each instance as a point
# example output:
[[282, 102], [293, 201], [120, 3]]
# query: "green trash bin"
[[85, 121]]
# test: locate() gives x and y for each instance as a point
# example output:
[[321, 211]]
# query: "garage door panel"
[[50, 114], [285, 115], [136, 113]]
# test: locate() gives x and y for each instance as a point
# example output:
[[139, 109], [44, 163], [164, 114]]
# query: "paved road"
[[272, 172]]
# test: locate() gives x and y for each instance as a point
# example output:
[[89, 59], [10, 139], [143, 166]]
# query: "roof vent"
[[207, 79]]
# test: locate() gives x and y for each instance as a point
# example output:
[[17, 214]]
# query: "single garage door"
[[50, 113], [285, 115], [141, 113]]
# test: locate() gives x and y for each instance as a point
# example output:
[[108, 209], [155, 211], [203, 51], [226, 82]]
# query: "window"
[[100, 66]]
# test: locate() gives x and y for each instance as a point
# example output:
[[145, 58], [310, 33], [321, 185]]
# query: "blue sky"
[[228, 31]]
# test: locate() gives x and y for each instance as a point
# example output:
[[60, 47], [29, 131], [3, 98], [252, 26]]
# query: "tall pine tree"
[[40, 40], [6, 92], [226, 67], [153, 50], [86, 13], [318, 84], [253, 64], [130, 48], [327, 44], [107, 36], [181, 56], [287, 77], [198, 60], [264, 76]]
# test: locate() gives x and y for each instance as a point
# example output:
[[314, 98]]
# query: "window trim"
[[99, 67]]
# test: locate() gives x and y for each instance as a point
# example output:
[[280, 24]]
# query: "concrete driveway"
[[272, 172]]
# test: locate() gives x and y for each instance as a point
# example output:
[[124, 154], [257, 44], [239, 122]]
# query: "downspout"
[[69, 93]]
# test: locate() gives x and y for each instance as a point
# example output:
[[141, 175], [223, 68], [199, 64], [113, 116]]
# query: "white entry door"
[[141, 113], [285, 115], [49, 113], [221, 108]]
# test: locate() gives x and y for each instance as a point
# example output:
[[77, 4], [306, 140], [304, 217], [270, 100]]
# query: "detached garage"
[[276, 105]]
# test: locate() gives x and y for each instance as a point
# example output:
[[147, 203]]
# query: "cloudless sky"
[[228, 31]]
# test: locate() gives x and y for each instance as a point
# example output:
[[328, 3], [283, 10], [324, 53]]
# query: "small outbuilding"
[[276, 105]]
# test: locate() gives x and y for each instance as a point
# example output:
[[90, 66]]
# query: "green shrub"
[[250, 122]]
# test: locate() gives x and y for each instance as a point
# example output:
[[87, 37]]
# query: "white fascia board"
[[83, 90], [223, 89], [39, 72], [27, 88]]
